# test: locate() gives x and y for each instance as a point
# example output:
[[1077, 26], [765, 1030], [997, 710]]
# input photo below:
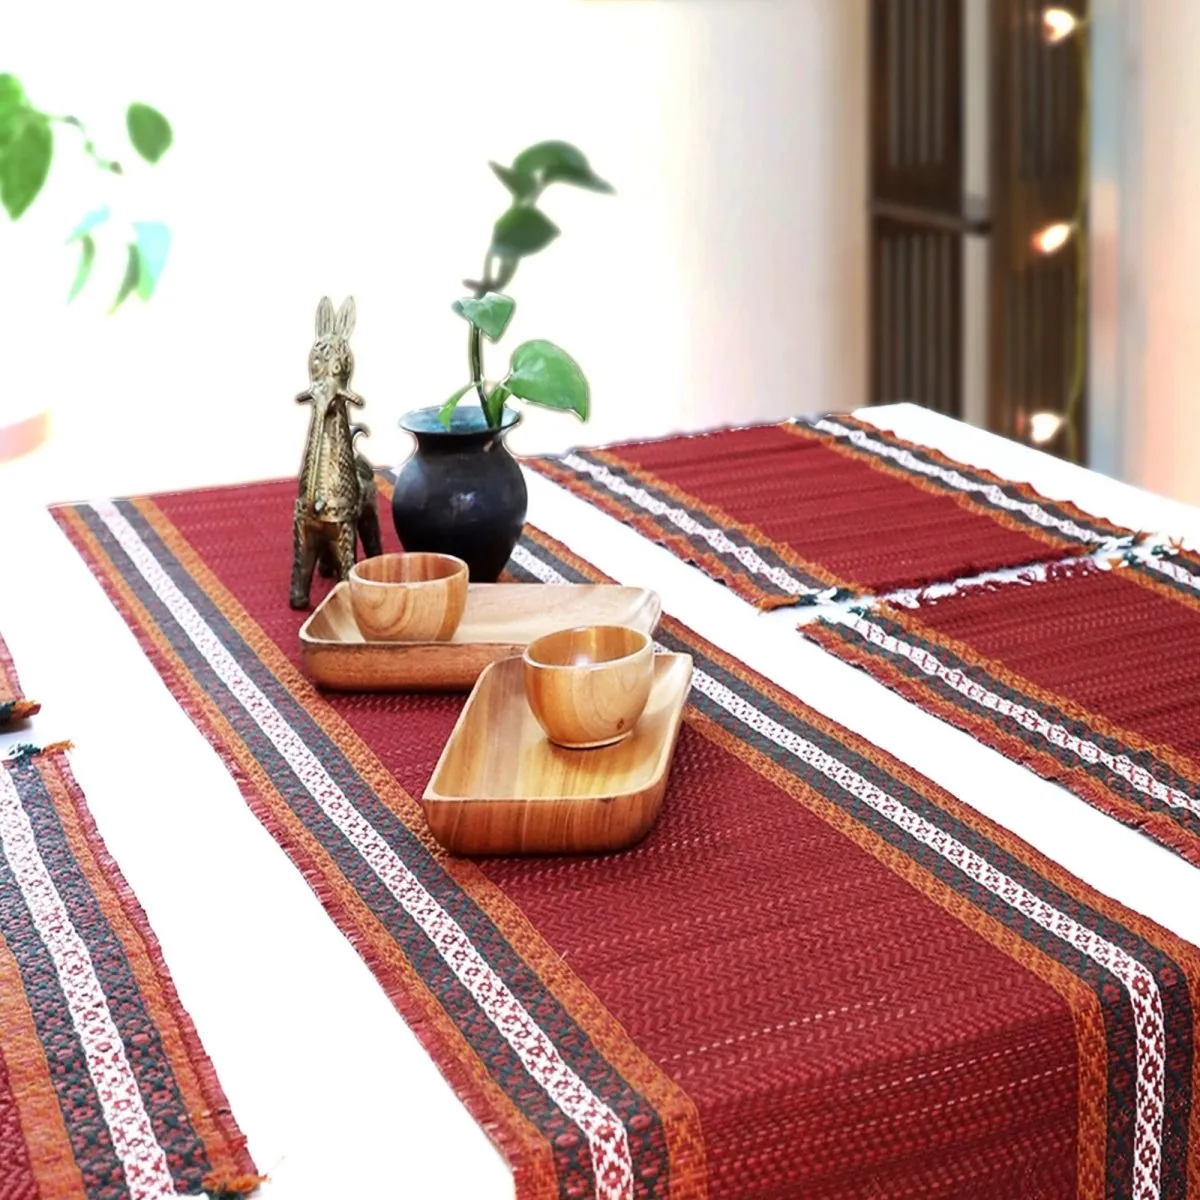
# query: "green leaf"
[[446, 412], [12, 94], [12, 109], [97, 217], [521, 231], [25, 162], [133, 271], [153, 243], [149, 131], [493, 410], [520, 183], [87, 256], [543, 374], [559, 162], [491, 313]]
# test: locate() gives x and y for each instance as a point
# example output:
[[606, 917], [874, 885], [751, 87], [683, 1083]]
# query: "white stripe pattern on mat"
[[143, 1159], [956, 479], [1139, 983], [1028, 718], [1172, 571], [683, 520], [606, 1135]]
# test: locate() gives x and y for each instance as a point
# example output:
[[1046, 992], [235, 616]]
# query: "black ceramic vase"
[[461, 492]]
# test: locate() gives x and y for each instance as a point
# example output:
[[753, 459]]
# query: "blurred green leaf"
[[153, 244], [494, 409], [25, 161], [149, 131], [559, 162], [133, 271], [491, 313], [87, 256], [544, 374], [521, 231], [446, 412], [97, 217], [519, 183], [12, 95]]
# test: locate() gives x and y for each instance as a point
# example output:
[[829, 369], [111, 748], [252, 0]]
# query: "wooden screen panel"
[[916, 82], [918, 316], [918, 217]]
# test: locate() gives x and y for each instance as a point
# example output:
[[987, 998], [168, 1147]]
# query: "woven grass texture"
[[14, 704], [819, 975], [787, 514], [105, 1090], [1089, 677]]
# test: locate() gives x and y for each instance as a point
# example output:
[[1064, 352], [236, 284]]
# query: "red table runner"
[[785, 514], [1090, 677], [820, 975], [105, 1090], [14, 706]]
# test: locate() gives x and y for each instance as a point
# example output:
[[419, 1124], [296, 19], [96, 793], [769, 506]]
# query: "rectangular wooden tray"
[[500, 620], [501, 788]]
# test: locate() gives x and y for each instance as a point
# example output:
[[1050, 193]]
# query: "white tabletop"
[[336, 1096]]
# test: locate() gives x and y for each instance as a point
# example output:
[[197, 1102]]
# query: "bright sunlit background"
[[343, 149]]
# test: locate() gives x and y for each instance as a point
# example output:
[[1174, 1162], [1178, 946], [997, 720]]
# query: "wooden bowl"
[[408, 597], [587, 687]]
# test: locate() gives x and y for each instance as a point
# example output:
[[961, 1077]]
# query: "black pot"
[[461, 492]]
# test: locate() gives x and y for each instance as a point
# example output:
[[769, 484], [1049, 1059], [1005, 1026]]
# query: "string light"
[[1058, 24], [1044, 427], [1053, 237]]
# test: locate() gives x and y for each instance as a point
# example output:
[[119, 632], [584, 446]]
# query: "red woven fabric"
[[819, 975], [106, 1092], [864, 525], [738, 947], [1129, 653], [1087, 676], [14, 706], [869, 516]]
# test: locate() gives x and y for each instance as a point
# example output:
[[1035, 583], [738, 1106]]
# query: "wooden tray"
[[501, 788], [500, 620]]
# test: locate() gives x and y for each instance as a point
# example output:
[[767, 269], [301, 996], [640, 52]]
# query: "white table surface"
[[335, 1094]]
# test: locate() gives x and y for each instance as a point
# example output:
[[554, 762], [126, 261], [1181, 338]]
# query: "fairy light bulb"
[[1050, 239], [1043, 426], [1057, 25]]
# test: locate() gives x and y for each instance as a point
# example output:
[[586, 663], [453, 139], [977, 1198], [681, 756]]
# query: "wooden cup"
[[408, 597], [587, 687]]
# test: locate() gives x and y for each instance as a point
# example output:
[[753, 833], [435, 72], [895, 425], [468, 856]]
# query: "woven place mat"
[[14, 706], [105, 1090], [1089, 677], [819, 975], [787, 514]]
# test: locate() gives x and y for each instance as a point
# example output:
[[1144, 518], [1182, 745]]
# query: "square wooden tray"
[[501, 788], [500, 620]]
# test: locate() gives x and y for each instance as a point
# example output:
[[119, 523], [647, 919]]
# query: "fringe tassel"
[[26, 750], [231, 1187]]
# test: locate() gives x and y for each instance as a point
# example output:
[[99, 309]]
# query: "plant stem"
[[475, 340], [89, 148], [485, 284]]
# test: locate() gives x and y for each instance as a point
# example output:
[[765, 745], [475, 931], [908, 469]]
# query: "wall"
[[343, 148], [1167, 293], [1145, 251]]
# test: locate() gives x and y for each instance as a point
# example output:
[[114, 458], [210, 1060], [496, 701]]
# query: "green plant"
[[539, 372], [26, 151]]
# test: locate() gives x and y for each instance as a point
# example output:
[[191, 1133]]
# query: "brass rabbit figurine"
[[337, 500]]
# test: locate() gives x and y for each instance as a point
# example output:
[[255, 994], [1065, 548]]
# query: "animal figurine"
[[368, 519], [336, 503]]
